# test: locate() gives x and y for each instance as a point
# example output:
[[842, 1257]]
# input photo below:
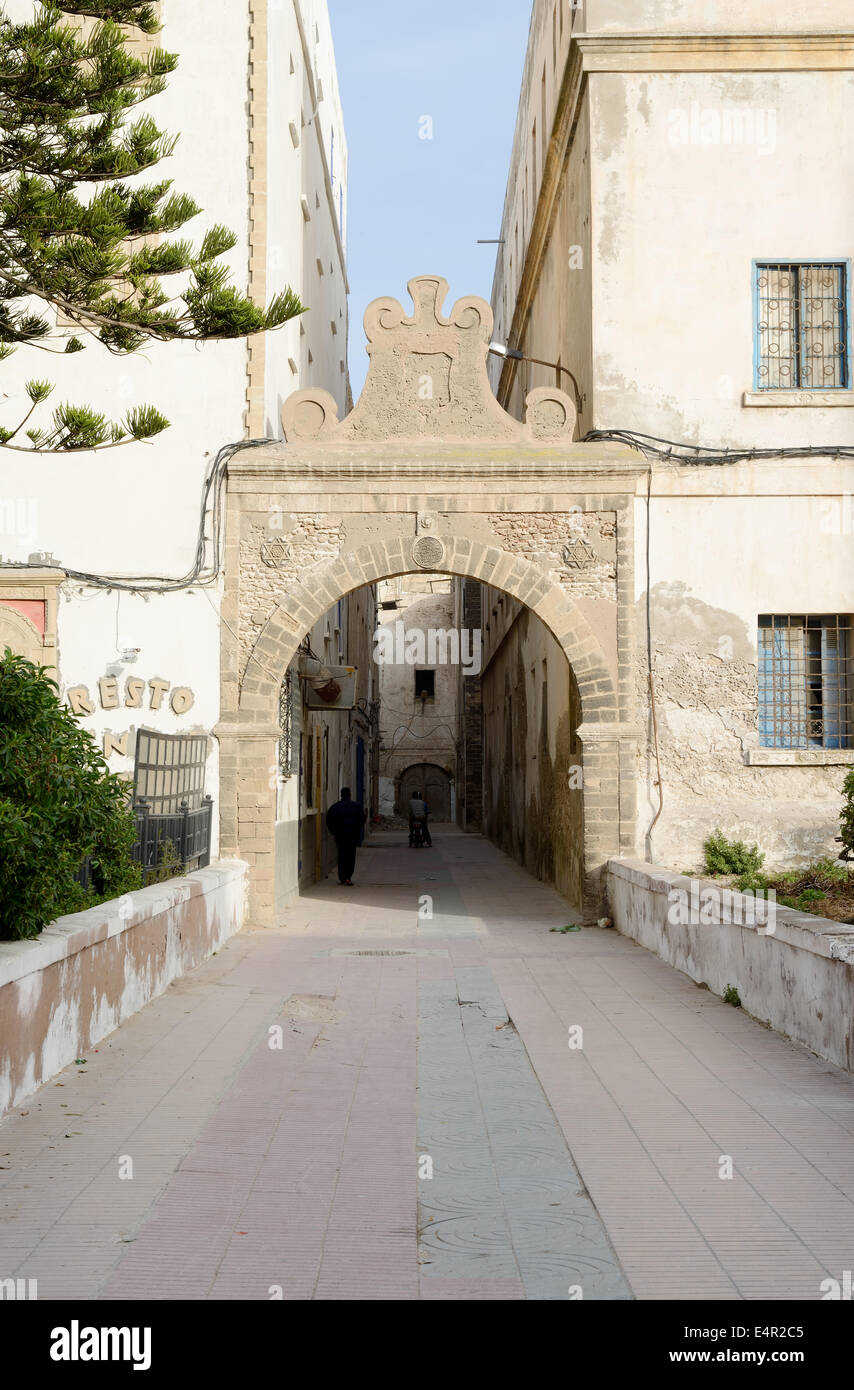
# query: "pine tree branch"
[[66, 98]]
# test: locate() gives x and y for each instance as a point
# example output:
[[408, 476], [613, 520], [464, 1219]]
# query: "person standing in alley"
[[345, 822]]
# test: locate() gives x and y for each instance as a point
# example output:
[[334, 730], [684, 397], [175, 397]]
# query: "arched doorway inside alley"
[[434, 784], [429, 474]]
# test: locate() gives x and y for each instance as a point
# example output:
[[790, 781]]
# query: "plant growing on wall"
[[723, 856], [58, 804], [846, 815], [80, 232]]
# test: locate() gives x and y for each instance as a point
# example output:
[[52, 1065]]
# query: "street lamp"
[[502, 350]]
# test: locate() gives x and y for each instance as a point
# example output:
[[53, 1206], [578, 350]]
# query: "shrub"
[[169, 864], [723, 856], [846, 815], [59, 803]]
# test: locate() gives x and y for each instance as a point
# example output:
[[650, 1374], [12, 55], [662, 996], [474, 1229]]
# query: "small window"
[[425, 685], [801, 326], [805, 681]]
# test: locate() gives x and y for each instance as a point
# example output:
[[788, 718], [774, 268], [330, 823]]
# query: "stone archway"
[[428, 473]]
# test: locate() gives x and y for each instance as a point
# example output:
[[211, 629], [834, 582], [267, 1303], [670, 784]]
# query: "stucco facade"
[[533, 793], [262, 149], [662, 154]]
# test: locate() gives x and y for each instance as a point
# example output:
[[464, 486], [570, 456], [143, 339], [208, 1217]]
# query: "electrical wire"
[[198, 574], [650, 668], [652, 446]]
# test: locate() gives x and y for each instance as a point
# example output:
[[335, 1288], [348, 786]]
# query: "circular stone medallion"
[[428, 552]]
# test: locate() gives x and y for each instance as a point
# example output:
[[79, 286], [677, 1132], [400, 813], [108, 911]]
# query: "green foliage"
[[731, 996], [723, 856], [169, 864], [752, 881], [826, 882], [67, 94], [58, 804], [846, 815]]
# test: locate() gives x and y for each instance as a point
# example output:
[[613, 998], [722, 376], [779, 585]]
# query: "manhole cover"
[[344, 951], [376, 953]]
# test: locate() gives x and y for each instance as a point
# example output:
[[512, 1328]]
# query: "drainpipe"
[[651, 678]]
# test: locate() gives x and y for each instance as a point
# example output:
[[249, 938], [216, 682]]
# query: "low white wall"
[[798, 978], [85, 974]]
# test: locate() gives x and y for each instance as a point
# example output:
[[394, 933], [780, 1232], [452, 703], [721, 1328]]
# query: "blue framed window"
[[801, 325], [805, 681]]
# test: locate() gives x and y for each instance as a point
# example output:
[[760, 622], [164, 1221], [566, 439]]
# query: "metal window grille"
[[309, 770], [802, 326], [170, 769], [806, 681]]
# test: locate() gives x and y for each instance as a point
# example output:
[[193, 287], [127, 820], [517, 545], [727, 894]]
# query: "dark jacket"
[[345, 820]]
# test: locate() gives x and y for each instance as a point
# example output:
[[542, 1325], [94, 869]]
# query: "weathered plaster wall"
[[681, 284], [706, 16], [799, 978], [468, 614], [413, 732], [531, 713], [559, 326], [690, 139], [85, 974], [753, 554]]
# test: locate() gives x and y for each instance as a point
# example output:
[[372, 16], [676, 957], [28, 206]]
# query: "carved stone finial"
[[311, 414], [550, 414], [428, 380]]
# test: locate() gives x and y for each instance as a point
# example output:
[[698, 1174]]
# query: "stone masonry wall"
[[578, 549]]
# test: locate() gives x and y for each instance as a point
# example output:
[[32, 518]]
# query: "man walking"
[[345, 822]]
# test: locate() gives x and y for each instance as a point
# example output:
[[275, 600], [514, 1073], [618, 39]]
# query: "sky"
[[418, 206]]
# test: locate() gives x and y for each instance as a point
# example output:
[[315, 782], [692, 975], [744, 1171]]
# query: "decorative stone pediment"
[[428, 380]]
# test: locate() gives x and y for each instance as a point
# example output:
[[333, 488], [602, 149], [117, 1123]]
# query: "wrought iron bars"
[[802, 326], [806, 681]]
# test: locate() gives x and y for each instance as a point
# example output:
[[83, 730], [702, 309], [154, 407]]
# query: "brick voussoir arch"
[[301, 606]]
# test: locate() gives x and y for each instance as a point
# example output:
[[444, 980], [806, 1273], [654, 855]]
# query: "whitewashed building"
[[99, 574], [677, 245]]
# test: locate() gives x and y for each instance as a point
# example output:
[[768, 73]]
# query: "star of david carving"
[[578, 554], [275, 553]]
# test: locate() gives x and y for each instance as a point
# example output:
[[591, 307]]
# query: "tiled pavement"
[[281, 1108]]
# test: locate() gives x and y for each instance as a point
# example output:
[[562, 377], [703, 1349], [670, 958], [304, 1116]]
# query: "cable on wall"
[[650, 445], [650, 668], [198, 574], [654, 447]]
